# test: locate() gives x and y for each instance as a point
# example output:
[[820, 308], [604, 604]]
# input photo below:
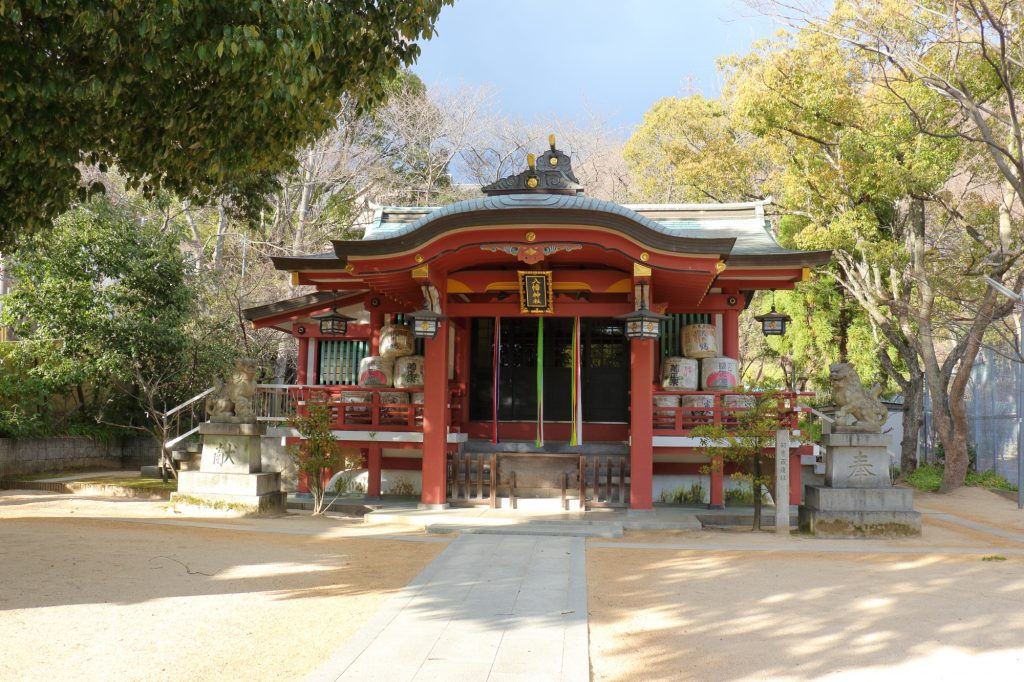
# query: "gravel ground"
[[100, 589], [729, 613]]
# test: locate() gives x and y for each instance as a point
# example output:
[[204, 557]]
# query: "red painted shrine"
[[532, 382]]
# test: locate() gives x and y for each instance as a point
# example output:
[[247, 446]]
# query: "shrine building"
[[532, 342]]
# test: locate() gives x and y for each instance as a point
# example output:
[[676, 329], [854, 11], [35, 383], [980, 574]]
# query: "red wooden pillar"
[[376, 322], [717, 484], [373, 467], [641, 426], [435, 418], [731, 333], [301, 368]]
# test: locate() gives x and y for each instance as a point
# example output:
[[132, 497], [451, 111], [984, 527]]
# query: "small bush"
[[682, 495], [926, 477], [739, 497], [402, 487], [990, 480]]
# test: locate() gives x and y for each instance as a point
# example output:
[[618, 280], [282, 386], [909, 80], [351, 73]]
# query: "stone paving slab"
[[490, 607]]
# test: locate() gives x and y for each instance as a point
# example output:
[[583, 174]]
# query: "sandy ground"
[[728, 613], [100, 589]]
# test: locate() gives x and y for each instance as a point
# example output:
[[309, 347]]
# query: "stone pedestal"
[[229, 477], [858, 499]]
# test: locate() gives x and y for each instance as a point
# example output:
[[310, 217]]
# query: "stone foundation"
[[230, 477], [858, 499]]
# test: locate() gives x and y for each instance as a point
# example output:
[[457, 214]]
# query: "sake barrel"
[[375, 371], [679, 374], [409, 371], [698, 401], [665, 400], [350, 397], [719, 374], [388, 398], [395, 341], [699, 341]]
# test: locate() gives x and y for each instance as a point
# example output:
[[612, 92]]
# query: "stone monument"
[[230, 476], [858, 499]]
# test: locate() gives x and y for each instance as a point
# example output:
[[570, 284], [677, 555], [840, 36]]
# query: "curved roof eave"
[[538, 209]]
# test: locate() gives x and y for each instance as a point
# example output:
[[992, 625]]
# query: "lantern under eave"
[[333, 323], [773, 323]]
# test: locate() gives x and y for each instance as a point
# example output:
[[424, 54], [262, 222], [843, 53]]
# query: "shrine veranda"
[[531, 385]]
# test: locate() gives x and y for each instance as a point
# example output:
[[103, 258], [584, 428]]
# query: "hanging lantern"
[[425, 322], [333, 323], [643, 323], [773, 323]]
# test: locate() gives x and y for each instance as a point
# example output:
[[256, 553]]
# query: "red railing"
[[714, 409], [355, 408]]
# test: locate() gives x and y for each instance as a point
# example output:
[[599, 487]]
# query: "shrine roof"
[[744, 223]]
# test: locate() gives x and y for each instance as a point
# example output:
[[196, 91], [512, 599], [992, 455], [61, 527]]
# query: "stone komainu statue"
[[859, 409], [231, 401]]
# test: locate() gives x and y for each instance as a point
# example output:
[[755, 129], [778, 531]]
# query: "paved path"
[[490, 607]]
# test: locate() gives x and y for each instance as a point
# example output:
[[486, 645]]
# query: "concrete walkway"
[[490, 607]]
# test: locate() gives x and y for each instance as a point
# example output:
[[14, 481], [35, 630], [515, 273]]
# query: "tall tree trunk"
[[222, 230], [913, 419]]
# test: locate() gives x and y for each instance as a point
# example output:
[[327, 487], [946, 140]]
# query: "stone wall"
[[34, 455]]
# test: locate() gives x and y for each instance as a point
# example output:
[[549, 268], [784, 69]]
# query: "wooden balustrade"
[[680, 421]]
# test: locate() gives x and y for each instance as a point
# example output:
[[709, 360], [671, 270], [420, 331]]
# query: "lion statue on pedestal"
[[859, 409], [231, 401]]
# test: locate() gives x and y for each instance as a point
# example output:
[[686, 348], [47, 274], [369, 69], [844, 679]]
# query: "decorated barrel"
[[679, 374], [409, 371], [699, 341], [375, 371], [395, 341], [719, 374], [362, 397], [698, 401], [665, 400], [388, 398]]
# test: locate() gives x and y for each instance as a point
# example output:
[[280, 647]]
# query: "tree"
[[105, 313], [953, 70], [205, 98], [318, 450], [744, 438]]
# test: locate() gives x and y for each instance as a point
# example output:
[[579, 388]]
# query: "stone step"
[[557, 528]]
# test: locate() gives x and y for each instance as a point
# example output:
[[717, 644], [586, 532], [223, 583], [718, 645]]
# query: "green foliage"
[[401, 487], [318, 449], [745, 441], [692, 495], [739, 497], [990, 480], [928, 477], [202, 97], [107, 318]]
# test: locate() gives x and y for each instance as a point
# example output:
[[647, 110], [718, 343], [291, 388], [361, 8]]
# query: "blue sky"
[[565, 58]]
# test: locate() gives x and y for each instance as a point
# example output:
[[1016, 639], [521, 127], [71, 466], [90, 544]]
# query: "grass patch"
[[928, 477], [135, 483], [42, 475], [993, 557]]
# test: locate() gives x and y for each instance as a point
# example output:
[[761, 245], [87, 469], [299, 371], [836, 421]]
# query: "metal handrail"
[[188, 402]]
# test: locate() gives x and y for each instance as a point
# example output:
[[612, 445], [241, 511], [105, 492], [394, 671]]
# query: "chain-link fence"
[[994, 400]]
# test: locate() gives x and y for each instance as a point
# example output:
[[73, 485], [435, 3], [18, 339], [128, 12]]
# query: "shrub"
[[682, 495], [401, 486], [926, 477]]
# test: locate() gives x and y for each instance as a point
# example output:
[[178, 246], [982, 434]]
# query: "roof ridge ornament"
[[551, 173]]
